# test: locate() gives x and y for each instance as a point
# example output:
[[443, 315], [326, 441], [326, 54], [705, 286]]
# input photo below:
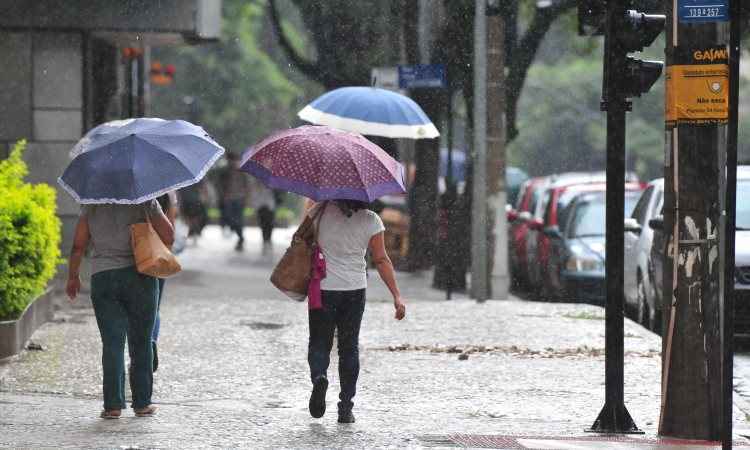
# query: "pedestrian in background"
[[234, 187], [193, 200], [125, 301], [345, 230], [263, 201], [168, 203]]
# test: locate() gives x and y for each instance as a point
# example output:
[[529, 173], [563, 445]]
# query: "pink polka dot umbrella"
[[324, 163]]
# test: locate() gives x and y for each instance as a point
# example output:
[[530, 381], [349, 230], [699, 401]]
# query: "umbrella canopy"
[[135, 160], [370, 111], [324, 163]]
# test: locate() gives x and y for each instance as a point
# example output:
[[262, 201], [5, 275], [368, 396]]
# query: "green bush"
[[29, 236]]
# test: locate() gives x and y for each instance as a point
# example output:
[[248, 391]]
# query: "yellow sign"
[[697, 93]]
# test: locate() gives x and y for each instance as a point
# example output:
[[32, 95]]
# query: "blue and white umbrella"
[[370, 111], [135, 160]]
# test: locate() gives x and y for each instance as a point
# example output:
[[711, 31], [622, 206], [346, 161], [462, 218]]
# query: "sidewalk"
[[233, 372]]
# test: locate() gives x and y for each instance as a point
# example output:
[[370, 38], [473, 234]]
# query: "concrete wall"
[[41, 100], [196, 19]]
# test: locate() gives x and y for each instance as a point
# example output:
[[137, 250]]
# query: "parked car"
[[741, 256], [640, 298], [554, 225], [580, 251], [537, 243], [518, 227]]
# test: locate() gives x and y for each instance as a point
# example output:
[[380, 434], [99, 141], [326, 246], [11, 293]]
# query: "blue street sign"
[[703, 10], [422, 76]]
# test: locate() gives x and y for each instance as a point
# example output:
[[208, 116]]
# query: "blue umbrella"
[[370, 111], [135, 160]]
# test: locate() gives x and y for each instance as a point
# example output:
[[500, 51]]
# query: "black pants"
[[342, 311], [265, 220]]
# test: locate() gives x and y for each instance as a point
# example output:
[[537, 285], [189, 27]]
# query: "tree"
[[349, 39], [239, 91]]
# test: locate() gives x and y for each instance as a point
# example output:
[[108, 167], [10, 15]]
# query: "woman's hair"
[[349, 207]]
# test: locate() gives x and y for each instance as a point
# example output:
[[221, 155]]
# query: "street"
[[233, 370]]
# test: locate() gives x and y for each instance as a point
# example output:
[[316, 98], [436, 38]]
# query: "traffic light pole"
[[614, 416]]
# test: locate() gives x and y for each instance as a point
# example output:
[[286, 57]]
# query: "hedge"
[[29, 236]]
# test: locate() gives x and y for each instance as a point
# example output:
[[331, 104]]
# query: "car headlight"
[[584, 263]]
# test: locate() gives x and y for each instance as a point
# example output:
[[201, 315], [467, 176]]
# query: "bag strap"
[[309, 222]]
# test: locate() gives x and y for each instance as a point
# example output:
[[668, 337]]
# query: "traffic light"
[[629, 31], [634, 31]]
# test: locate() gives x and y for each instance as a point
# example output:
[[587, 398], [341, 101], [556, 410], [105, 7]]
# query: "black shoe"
[[155, 364], [318, 397], [346, 416]]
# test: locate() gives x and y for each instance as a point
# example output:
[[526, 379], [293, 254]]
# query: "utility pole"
[[498, 267], [626, 31], [479, 248], [727, 376], [697, 112]]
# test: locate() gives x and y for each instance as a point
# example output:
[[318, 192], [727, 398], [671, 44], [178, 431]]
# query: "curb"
[[15, 334]]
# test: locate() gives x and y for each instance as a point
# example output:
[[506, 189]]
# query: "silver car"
[[640, 297], [741, 254]]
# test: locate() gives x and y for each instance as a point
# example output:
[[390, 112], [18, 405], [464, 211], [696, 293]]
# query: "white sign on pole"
[[385, 77]]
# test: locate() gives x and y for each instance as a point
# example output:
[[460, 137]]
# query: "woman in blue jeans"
[[346, 230], [124, 300]]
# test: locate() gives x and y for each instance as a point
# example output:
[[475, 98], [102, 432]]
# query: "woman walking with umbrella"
[[343, 172], [120, 168]]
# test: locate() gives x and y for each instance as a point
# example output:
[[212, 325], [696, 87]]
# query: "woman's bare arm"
[[386, 272], [80, 242], [163, 227]]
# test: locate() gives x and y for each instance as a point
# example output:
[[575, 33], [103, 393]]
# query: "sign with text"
[[703, 10], [697, 94], [422, 76]]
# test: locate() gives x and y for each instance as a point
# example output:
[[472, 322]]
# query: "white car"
[[640, 296]]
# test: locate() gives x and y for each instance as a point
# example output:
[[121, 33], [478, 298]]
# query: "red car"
[[519, 221]]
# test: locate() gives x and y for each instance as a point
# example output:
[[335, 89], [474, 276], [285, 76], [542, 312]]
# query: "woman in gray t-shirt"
[[124, 300]]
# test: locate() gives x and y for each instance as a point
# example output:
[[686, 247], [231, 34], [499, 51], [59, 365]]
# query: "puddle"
[[262, 325]]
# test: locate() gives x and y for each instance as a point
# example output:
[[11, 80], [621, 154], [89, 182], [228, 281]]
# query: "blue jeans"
[[342, 311], [125, 304], [157, 323]]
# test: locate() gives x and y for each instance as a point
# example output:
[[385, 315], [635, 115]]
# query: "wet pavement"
[[233, 371]]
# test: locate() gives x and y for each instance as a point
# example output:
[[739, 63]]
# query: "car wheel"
[[644, 312]]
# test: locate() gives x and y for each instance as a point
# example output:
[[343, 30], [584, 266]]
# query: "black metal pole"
[[729, 228], [614, 416]]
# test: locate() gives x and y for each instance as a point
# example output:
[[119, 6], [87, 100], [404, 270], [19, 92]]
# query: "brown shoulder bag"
[[292, 274]]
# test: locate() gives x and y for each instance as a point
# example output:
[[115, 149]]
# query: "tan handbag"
[[292, 274], [152, 257]]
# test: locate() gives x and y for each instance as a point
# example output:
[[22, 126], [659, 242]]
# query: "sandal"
[[146, 411], [110, 414]]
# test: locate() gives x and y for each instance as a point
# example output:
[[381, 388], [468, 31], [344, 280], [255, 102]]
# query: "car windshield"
[[589, 219], [743, 206], [590, 216]]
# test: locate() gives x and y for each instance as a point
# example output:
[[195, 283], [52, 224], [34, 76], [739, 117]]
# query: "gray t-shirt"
[[109, 227]]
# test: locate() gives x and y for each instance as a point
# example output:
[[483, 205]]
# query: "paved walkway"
[[233, 372]]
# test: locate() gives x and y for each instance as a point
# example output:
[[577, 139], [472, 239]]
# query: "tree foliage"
[[240, 91]]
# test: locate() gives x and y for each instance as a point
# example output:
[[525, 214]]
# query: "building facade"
[[70, 65]]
